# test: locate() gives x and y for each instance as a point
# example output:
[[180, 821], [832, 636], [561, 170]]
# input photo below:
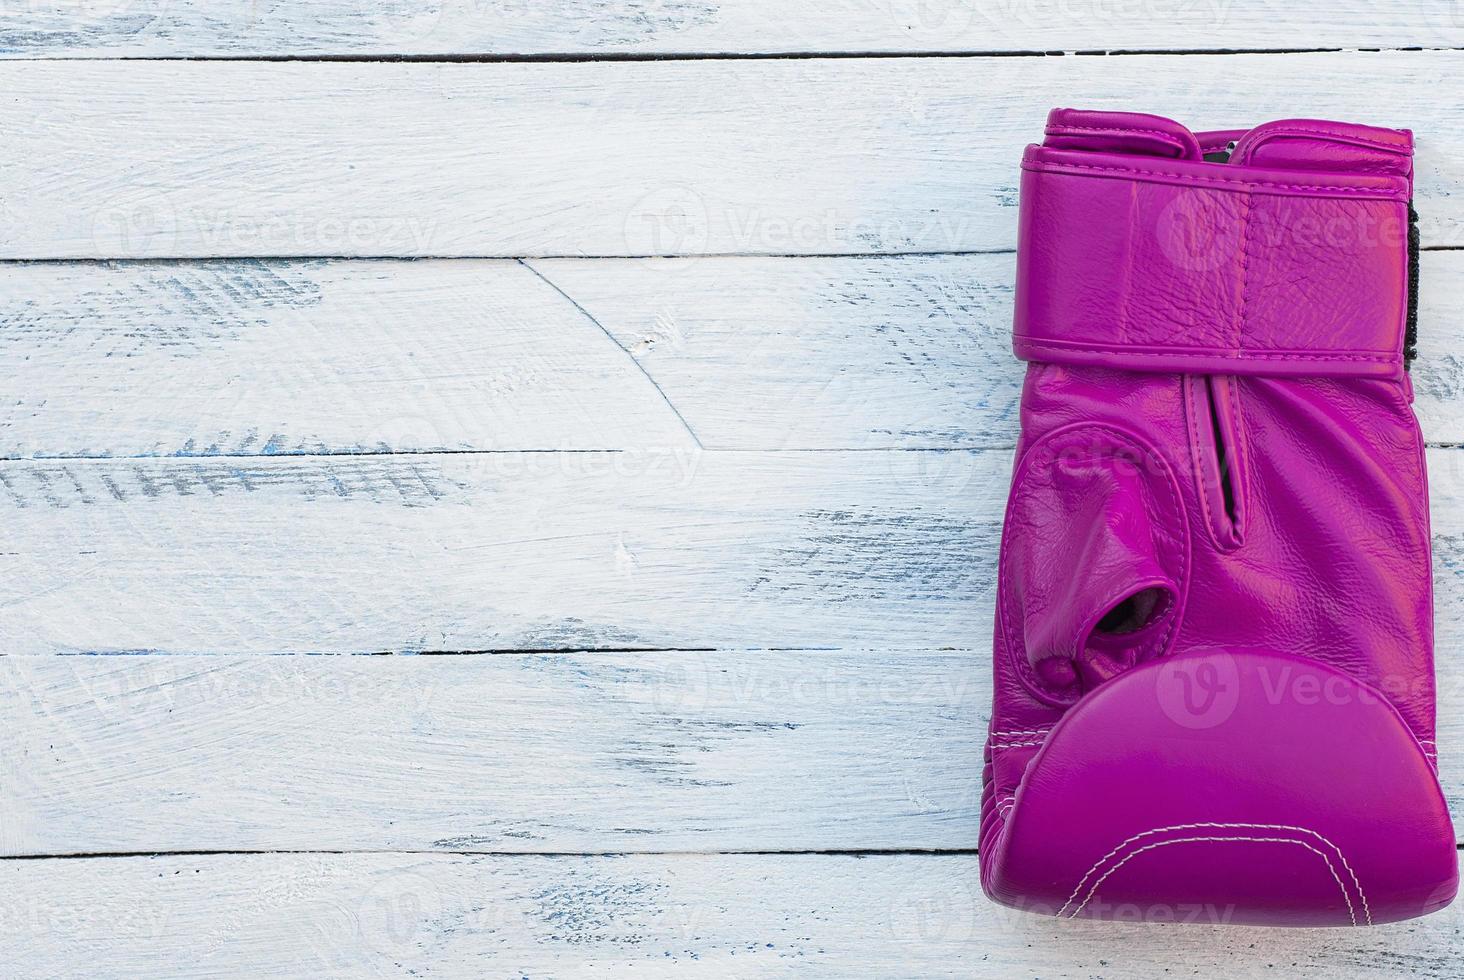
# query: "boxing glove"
[[1213, 672]]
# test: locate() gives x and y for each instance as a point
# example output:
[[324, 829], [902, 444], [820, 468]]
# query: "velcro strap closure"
[[1151, 264]]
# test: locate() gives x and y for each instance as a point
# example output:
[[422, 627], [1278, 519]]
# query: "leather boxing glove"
[[1214, 693]]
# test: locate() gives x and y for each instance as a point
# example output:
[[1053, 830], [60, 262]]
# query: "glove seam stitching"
[[1201, 352], [1060, 127], [1351, 912], [1220, 826], [1336, 137], [1245, 237]]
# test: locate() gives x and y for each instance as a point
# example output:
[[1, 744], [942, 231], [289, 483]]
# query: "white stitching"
[[1224, 826], [1351, 913], [1248, 826], [1020, 732], [1013, 745]]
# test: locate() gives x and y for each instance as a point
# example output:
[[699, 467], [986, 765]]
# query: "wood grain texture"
[[632, 752], [680, 157], [505, 550], [650, 751], [712, 916], [692, 549], [662, 521], [321, 357], [199, 28], [249, 357]]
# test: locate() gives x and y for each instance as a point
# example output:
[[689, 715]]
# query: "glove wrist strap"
[[1152, 264]]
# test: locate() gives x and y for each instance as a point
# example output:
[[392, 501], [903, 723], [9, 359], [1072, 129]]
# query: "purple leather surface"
[[1185, 265], [1214, 692]]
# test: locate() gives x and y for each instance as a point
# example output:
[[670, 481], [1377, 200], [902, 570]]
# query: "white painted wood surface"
[[686, 750], [303, 28], [713, 916], [185, 158], [653, 751], [704, 467], [311, 357], [564, 551], [500, 550], [323, 357]]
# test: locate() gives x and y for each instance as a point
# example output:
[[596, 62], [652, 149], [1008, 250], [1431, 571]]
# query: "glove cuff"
[[1146, 247]]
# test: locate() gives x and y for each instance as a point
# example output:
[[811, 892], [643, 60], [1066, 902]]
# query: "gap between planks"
[[569, 57], [162, 260]]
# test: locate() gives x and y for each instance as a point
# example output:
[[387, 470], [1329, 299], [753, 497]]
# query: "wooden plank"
[[782, 156], [501, 550], [652, 751], [634, 752], [234, 28], [1438, 373], [347, 356], [248, 357], [662, 916], [529, 551]]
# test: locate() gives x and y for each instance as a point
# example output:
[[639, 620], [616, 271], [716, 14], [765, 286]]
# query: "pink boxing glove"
[[1214, 694]]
